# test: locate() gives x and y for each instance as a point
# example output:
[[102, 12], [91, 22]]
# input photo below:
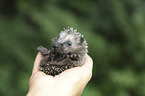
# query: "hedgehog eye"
[[69, 43]]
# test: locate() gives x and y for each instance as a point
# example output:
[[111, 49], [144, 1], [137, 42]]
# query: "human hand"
[[71, 82]]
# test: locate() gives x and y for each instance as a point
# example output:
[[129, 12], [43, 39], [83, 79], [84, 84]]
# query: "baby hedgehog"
[[68, 51]]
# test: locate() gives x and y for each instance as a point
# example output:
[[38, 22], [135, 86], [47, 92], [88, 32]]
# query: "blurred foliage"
[[114, 30]]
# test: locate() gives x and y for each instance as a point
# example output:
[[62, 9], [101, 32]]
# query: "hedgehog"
[[68, 51]]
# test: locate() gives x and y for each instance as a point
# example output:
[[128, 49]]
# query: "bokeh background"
[[114, 30]]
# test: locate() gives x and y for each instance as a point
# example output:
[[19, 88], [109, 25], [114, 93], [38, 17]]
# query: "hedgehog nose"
[[55, 45]]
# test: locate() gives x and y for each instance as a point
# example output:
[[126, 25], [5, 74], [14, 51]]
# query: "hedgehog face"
[[68, 42]]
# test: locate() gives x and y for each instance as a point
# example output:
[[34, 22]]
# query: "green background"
[[114, 30]]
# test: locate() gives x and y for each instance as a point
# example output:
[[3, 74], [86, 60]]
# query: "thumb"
[[37, 62]]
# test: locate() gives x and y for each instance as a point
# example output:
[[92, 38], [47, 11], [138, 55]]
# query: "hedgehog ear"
[[82, 39]]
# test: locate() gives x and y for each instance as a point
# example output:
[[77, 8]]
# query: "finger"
[[88, 63], [86, 69], [37, 62], [84, 72]]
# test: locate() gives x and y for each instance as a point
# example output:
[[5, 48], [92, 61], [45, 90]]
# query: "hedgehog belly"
[[54, 69]]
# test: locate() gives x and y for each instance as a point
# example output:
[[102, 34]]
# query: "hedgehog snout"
[[55, 45], [58, 48]]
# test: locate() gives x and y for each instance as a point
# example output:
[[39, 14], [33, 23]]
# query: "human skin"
[[71, 82]]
